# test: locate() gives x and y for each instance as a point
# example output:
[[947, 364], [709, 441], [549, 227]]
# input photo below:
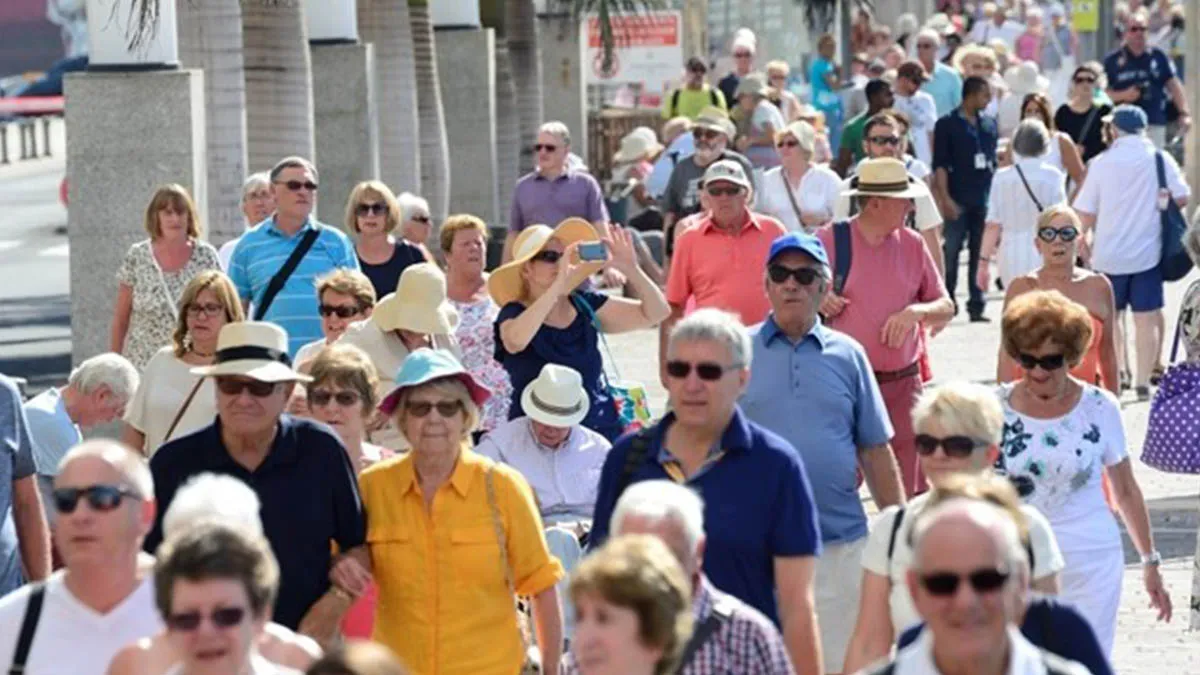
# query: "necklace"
[[202, 354]]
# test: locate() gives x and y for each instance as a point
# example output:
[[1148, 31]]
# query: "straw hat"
[[883, 177], [419, 303], [254, 349], [1026, 79], [505, 284], [556, 398], [753, 83], [803, 132], [636, 146], [426, 365]]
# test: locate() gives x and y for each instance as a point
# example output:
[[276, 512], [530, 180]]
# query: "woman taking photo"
[[372, 214], [1081, 117], [452, 537], [544, 318], [800, 193], [154, 273]]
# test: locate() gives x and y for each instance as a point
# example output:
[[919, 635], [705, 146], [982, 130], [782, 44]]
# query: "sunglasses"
[[742, 55], [945, 584], [1049, 362], [706, 370], [421, 219], [705, 134], [376, 209], [1085, 80], [320, 397], [925, 45], [953, 446], [224, 617], [207, 309], [342, 311], [885, 140], [1067, 234], [297, 185], [1137, 29], [551, 257], [257, 389], [790, 143], [446, 409], [99, 497], [724, 192], [539, 147], [803, 275]]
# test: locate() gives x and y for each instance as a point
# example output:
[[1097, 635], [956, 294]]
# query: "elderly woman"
[[799, 192], [345, 296], [959, 427], [452, 537], [154, 273], [761, 121], [258, 202], [415, 222], [464, 245], [544, 318], [1060, 435], [777, 77], [1061, 152], [170, 401], [372, 214], [633, 603]]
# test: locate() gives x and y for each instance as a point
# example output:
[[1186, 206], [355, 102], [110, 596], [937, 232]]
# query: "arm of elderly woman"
[[322, 620], [547, 618], [873, 631], [121, 314], [517, 332], [1137, 521]]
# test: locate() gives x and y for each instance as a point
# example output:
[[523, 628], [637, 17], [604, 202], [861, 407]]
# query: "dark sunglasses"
[[99, 497], [257, 389], [704, 134], [1067, 234], [885, 140], [320, 397], [790, 143], [224, 617], [376, 209], [538, 147], [724, 192], [1083, 80], [296, 185], [707, 371], [208, 309], [342, 311], [446, 409], [1137, 29], [803, 275], [551, 257], [1049, 362], [926, 45], [420, 219], [945, 584], [953, 446]]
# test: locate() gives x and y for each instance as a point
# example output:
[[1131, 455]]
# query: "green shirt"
[[852, 135], [689, 102]]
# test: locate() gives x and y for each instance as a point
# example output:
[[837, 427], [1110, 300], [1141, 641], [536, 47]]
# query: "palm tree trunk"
[[520, 22], [210, 38], [508, 130], [435, 153], [279, 98], [385, 23]]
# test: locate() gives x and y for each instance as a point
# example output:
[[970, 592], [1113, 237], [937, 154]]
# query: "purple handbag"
[[1173, 430]]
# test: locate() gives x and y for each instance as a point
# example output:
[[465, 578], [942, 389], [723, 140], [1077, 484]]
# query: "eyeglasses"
[[207, 309], [705, 370], [551, 257], [342, 311], [1067, 234], [724, 192], [223, 617], [953, 446], [296, 185], [945, 584], [925, 45], [885, 140], [1085, 80], [1049, 362], [790, 143], [539, 147], [345, 398], [803, 275], [375, 209], [705, 134], [99, 497], [1136, 29], [446, 409], [742, 55], [257, 389], [421, 219]]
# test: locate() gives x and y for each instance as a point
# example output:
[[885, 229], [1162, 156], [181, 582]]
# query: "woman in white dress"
[[800, 193]]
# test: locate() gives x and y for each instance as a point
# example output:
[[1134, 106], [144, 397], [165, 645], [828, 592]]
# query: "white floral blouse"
[[476, 338]]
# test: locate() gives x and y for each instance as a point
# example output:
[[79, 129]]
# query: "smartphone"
[[593, 251]]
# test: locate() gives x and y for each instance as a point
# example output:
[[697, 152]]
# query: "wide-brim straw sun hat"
[[418, 303], [754, 83], [254, 349], [556, 397], [426, 365], [884, 177], [505, 284], [636, 146], [803, 132]]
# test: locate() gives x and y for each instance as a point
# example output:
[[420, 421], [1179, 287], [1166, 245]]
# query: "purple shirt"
[[537, 200]]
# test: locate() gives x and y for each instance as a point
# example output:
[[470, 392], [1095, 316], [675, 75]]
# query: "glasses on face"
[[420, 219], [1137, 29], [705, 370], [789, 143], [1085, 80], [704, 134], [206, 309], [803, 275], [924, 45], [445, 409], [344, 398], [374, 209], [957, 447], [99, 497], [297, 185], [342, 311], [551, 257], [1047, 363], [223, 617], [1067, 234], [892, 141], [257, 389], [945, 584], [724, 191], [544, 147], [742, 55]]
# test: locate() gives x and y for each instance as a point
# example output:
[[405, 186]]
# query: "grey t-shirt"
[[16, 462], [682, 197]]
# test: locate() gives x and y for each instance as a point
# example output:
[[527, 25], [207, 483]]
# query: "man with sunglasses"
[[695, 95], [1143, 75], [850, 149], [944, 83], [918, 106], [803, 370]]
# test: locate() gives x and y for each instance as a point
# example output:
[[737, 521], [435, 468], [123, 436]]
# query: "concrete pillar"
[[345, 123], [467, 70], [564, 80], [118, 153]]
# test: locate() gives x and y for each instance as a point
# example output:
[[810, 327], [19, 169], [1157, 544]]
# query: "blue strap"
[[581, 305]]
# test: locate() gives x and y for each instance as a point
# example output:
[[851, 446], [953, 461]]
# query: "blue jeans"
[[565, 546], [967, 228]]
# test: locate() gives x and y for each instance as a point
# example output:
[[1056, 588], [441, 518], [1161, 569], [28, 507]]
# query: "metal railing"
[[25, 128]]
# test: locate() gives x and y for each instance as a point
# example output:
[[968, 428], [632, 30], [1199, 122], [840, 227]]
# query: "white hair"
[[1031, 139], [411, 205], [105, 370], [663, 501], [557, 129], [209, 496], [929, 34], [715, 325], [255, 181]]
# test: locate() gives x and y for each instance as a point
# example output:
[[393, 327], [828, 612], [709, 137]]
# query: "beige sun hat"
[[419, 303], [556, 398], [803, 132], [637, 146], [714, 118], [254, 349], [505, 284], [753, 83], [884, 177]]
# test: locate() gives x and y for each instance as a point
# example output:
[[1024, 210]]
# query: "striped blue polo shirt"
[[260, 254]]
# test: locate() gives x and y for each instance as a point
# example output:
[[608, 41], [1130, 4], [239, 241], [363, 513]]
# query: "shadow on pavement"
[[1175, 521], [29, 329]]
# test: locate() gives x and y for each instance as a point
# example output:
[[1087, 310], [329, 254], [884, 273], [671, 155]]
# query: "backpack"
[[712, 97]]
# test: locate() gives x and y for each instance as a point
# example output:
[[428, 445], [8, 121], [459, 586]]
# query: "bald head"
[[131, 466], [968, 519]]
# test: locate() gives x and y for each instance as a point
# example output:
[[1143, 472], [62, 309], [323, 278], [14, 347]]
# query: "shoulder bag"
[[182, 409], [530, 664], [787, 189], [1028, 190], [722, 612], [1175, 262], [276, 283], [842, 255], [29, 624]]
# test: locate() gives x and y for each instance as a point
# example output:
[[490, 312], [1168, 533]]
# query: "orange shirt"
[[443, 606]]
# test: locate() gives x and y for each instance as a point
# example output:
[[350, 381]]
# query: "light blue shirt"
[[820, 395], [51, 430], [681, 148], [16, 462], [260, 254], [945, 86]]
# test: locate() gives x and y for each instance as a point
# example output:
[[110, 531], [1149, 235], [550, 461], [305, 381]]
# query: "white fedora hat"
[[254, 349], [418, 304], [556, 398]]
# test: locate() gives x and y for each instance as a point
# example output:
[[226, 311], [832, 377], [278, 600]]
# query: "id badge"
[[981, 162]]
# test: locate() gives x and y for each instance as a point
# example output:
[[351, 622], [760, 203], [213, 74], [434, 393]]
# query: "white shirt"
[[1010, 205], [926, 217], [71, 638], [1024, 658], [165, 385], [564, 479], [922, 115], [309, 351], [1121, 190], [1008, 114], [817, 193], [986, 31]]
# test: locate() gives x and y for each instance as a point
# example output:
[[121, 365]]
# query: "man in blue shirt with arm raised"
[[1143, 75]]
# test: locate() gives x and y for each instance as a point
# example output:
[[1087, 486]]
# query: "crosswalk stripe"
[[59, 251]]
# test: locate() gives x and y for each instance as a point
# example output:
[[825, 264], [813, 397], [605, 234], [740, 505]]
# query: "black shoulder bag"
[[722, 611], [29, 624], [1028, 189], [284, 273]]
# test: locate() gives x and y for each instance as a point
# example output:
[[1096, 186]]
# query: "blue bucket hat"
[[799, 241], [1128, 118], [426, 365]]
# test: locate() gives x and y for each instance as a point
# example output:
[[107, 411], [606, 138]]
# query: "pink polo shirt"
[[722, 269], [883, 280]]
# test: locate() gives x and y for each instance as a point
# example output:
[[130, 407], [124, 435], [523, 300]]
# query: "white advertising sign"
[[648, 49]]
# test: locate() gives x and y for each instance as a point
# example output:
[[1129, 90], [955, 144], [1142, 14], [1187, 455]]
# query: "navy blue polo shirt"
[[758, 506], [309, 495], [956, 142], [1152, 69]]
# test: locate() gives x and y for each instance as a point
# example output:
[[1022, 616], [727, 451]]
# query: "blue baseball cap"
[[1128, 118], [799, 241]]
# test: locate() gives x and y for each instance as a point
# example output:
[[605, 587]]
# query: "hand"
[[832, 305], [742, 143], [950, 210], [567, 267], [1159, 598], [1084, 249], [610, 278], [899, 327], [324, 618], [622, 257], [983, 275], [349, 574], [1185, 124]]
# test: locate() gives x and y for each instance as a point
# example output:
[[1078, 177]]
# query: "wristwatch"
[[1154, 558]]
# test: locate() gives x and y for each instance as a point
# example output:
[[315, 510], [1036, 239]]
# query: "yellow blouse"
[[443, 604]]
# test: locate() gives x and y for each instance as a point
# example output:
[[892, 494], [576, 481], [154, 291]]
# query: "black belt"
[[885, 376]]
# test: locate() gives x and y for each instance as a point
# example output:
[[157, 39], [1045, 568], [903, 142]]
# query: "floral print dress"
[[476, 338]]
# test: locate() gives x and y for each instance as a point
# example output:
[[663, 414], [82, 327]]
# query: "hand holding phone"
[[593, 251]]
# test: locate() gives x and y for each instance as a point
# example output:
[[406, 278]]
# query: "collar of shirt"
[[272, 228], [1023, 659], [465, 469], [284, 449], [702, 604], [563, 175], [771, 330], [708, 225], [735, 438], [1127, 143]]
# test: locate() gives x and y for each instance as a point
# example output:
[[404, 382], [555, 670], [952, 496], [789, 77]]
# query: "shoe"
[[980, 318], [1156, 375], [1126, 380], [1143, 393]]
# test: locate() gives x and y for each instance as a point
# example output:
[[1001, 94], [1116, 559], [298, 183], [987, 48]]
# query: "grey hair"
[[929, 34], [715, 325], [410, 205], [105, 370], [1031, 139], [664, 501], [293, 162], [556, 129], [209, 496], [988, 517], [132, 466], [255, 181]]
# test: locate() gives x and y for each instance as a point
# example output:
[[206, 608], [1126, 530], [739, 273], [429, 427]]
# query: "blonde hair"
[[458, 223], [346, 366], [963, 407], [348, 282], [778, 66], [1055, 212], [450, 387], [177, 198], [975, 51], [222, 287], [378, 189]]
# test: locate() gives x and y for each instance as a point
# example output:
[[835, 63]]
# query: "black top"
[[1071, 122], [385, 275], [309, 495], [728, 86]]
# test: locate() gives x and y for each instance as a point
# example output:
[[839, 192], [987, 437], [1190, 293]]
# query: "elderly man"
[[258, 201], [1119, 205], [885, 292], [82, 616], [1143, 76], [803, 371], [298, 469], [24, 543], [763, 537], [274, 266], [944, 83], [695, 94], [969, 562], [850, 149]]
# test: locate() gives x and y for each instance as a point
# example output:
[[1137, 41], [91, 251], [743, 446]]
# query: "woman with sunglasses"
[[452, 537], [959, 427], [345, 296], [1060, 436], [1081, 117], [372, 215], [814, 188]]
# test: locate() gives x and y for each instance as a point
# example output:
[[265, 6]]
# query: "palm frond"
[[819, 15], [143, 22], [605, 10]]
